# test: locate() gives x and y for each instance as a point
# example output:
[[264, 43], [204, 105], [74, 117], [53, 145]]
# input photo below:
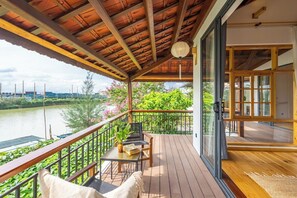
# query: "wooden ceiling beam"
[[88, 29], [124, 12], [143, 39], [248, 61], [151, 26], [112, 28], [134, 51], [151, 67], [206, 5], [23, 9], [165, 77], [181, 13], [74, 12], [134, 24]]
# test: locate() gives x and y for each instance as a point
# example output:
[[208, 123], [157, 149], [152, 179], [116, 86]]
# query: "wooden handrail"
[[16, 166], [163, 111], [258, 119]]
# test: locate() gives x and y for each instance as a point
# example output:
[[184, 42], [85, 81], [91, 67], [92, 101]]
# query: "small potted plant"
[[121, 132]]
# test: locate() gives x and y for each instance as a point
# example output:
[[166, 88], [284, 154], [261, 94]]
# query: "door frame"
[[220, 55], [213, 170]]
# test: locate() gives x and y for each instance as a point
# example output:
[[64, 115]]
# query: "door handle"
[[216, 107]]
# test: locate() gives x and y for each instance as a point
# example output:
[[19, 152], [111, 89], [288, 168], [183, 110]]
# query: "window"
[[252, 94]]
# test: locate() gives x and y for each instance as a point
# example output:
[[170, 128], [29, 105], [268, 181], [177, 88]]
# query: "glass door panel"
[[208, 99]]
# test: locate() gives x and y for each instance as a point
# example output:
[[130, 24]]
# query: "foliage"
[[8, 156], [208, 97], [15, 103], [121, 132], [78, 159], [117, 94], [174, 100], [188, 87], [87, 111]]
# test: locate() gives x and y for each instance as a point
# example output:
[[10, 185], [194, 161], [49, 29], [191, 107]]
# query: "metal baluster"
[[100, 145], [59, 163], [82, 156], [17, 192], [93, 146], [109, 131], [88, 155], [97, 146], [35, 186], [184, 123], [76, 156], [68, 161]]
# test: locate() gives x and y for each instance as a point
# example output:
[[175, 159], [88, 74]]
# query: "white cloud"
[[18, 64]]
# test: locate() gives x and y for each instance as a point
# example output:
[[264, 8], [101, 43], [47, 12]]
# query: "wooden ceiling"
[[245, 59], [121, 39]]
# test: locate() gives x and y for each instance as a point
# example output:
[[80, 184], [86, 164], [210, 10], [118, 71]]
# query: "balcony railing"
[[67, 156], [165, 121]]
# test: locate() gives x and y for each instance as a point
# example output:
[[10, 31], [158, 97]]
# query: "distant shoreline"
[[36, 103]]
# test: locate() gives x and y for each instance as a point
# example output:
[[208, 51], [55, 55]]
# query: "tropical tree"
[[164, 123], [87, 111], [117, 94], [174, 100]]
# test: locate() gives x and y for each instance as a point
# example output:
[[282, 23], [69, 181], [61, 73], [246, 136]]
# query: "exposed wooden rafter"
[[112, 28], [249, 60], [151, 27], [201, 17], [23, 9], [74, 12], [134, 24], [181, 13], [166, 78], [151, 67], [96, 25]]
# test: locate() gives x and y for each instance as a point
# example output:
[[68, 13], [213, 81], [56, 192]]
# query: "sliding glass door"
[[208, 99], [213, 56]]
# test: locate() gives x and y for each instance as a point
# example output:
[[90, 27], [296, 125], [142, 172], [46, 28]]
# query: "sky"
[[18, 64]]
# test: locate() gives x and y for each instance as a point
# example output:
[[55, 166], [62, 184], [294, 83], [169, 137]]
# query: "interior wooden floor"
[[269, 163], [177, 171], [259, 132]]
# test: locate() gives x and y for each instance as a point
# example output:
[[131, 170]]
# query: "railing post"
[[130, 101]]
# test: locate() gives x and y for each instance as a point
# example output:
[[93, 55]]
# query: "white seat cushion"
[[55, 187]]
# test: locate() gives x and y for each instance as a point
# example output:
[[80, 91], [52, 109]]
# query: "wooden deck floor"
[[259, 132], [177, 171], [241, 163]]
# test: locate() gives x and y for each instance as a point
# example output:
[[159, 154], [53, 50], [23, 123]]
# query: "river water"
[[17, 123]]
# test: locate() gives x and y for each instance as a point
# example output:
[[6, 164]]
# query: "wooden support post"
[[231, 85], [274, 66], [194, 52], [295, 111], [241, 109], [92, 171], [130, 107], [294, 29]]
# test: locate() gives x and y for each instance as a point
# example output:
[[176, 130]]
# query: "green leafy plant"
[[121, 132]]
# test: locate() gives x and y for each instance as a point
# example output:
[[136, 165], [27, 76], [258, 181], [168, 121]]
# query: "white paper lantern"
[[180, 49]]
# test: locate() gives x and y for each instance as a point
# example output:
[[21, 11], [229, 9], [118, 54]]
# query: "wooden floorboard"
[[259, 132], [206, 174], [164, 174], [177, 171], [182, 178], [266, 163]]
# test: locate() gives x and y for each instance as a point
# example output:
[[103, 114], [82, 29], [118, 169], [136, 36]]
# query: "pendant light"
[[180, 50]]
